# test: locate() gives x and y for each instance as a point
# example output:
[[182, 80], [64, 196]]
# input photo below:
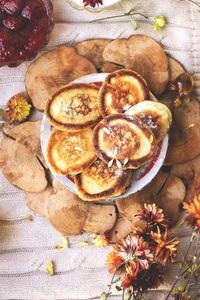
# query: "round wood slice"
[[53, 70], [93, 50], [184, 142], [143, 55], [21, 167]]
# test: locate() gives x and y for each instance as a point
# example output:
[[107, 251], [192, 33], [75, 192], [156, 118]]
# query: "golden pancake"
[[74, 107], [155, 114], [125, 140], [70, 152], [121, 90], [100, 181]]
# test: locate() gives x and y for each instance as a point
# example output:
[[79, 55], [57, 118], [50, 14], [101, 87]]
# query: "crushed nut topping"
[[79, 105], [125, 97], [102, 172], [119, 140], [66, 147]]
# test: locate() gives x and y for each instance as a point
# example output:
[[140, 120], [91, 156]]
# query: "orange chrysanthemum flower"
[[133, 253], [126, 281], [153, 216], [166, 249], [114, 260], [193, 213]]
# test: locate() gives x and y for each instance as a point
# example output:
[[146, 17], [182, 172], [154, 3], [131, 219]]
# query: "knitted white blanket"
[[26, 247]]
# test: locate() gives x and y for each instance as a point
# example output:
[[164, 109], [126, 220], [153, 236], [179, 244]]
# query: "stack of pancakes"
[[101, 135]]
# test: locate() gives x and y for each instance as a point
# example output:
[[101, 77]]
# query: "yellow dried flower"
[[64, 244], [159, 23], [101, 240], [177, 102], [50, 268], [17, 109]]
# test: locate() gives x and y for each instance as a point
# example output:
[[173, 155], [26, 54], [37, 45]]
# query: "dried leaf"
[[64, 244], [27, 217], [84, 243], [134, 24], [50, 268], [127, 295], [104, 296]]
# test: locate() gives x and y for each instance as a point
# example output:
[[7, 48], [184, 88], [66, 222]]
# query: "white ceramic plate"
[[78, 4], [141, 177]]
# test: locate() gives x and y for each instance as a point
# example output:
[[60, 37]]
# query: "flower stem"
[[194, 2], [181, 269], [128, 14]]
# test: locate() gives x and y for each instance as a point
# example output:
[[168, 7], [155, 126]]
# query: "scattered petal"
[[106, 130], [125, 161], [27, 217], [50, 268], [110, 163], [119, 165], [84, 243], [64, 244], [101, 240]]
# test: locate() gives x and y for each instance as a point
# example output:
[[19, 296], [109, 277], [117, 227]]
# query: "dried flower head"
[[133, 253], [166, 247], [149, 279], [177, 102], [17, 109], [101, 240], [92, 3], [193, 213], [159, 22], [153, 216]]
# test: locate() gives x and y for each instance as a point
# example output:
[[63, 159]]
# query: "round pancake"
[[125, 140], [155, 114], [74, 107], [70, 152], [121, 90], [100, 181]]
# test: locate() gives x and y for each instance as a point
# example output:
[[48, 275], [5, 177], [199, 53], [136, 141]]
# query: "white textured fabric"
[[26, 247]]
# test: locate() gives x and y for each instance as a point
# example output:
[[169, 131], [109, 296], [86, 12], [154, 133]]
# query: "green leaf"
[[104, 296], [1, 112], [116, 280], [118, 288], [127, 295], [134, 24]]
